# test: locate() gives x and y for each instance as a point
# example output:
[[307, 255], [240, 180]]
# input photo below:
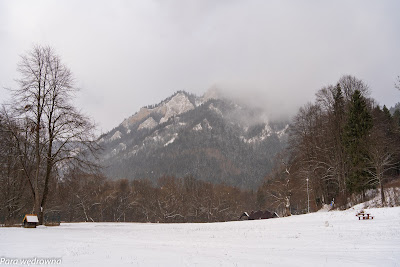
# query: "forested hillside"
[[211, 139]]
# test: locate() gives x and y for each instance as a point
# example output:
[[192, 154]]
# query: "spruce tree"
[[339, 99], [338, 124], [356, 130]]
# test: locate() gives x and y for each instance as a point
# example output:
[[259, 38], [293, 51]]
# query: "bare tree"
[[350, 84], [12, 183], [56, 133], [383, 149]]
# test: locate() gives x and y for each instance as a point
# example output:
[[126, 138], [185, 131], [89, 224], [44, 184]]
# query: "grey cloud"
[[127, 54]]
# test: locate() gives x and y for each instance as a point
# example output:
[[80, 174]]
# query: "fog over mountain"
[[125, 54], [211, 138]]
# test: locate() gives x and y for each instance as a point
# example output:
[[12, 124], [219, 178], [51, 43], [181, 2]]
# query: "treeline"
[[94, 198], [339, 147], [83, 197]]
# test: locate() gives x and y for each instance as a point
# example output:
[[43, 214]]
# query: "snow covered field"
[[334, 238]]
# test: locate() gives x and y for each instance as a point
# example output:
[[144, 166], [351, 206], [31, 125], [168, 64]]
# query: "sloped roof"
[[245, 214], [262, 215], [31, 218]]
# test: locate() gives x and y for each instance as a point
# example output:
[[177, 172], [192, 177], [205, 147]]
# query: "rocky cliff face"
[[210, 138]]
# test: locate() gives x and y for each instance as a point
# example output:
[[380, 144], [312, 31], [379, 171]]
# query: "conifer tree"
[[355, 137], [339, 119], [386, 111], [339, 102]]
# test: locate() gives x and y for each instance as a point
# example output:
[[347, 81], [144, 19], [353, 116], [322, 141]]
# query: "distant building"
[[245, 216], [258, 215]]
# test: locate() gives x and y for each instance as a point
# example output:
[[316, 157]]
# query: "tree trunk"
[[37, 205], [383, 196], [46, 184], [41, 217], [38, 156], [36, 197]]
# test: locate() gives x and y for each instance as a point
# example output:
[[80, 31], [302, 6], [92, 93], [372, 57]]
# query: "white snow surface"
[[266, 132], [197, 127], [282, 132], [334, 238], [171, 140], [32, 218]]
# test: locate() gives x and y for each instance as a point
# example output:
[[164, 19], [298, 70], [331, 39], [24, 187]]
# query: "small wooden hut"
[[245, 216], [30, 221], [259, 215]]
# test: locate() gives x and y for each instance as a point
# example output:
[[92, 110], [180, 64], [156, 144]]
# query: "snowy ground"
[[335, 238]]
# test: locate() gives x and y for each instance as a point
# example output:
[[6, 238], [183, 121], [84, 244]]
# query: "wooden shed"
[[245, 216], [258, 215], [30, 221]]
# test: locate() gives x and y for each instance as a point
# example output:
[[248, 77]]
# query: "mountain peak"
[[177, 105], [209, 138]]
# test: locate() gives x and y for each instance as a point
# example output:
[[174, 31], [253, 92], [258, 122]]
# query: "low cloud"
[[273, 54]]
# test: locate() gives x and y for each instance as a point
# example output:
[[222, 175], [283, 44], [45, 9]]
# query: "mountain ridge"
[[210, 138]]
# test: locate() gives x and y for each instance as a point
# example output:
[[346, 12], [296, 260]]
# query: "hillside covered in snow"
[[210, 138], [335, 238]]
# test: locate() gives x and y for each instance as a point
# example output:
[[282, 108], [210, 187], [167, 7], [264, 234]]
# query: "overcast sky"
[[128, 54]]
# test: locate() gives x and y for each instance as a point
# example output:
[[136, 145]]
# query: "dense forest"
[[228, 148], [339, 147]]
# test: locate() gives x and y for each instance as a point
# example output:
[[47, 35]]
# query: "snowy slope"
[[335, 238]]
